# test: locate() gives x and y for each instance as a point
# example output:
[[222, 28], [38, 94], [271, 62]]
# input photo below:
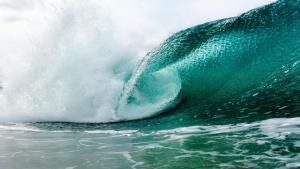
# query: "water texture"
[[223, 94]]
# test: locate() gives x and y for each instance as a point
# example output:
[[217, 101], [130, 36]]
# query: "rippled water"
[[272, 143]]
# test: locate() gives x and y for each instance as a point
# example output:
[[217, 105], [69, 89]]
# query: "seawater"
[[65, 104], [156, 143]]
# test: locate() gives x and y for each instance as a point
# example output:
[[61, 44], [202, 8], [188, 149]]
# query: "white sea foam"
[[22, 127], [19, 127], [213, 129], [279, 128], [112, 132]]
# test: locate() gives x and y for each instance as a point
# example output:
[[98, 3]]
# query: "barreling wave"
[[69, 61], [221, 61]]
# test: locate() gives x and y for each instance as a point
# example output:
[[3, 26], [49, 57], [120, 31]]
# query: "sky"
[[19, 16]]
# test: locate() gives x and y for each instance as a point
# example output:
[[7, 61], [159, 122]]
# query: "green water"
[[218, 63], [272, 143]]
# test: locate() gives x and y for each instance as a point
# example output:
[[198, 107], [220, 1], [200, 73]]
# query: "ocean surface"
[[155, 143], [81, 88]]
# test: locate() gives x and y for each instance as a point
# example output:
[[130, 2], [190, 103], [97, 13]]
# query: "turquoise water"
[[217, 62], [272, 143], [224, 94]]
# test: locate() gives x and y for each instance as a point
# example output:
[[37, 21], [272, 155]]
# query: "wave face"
[[218, 62]]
